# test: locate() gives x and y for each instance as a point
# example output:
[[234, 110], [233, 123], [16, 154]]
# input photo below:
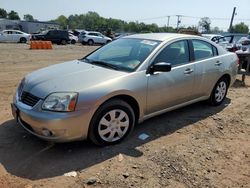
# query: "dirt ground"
[[196, 146]]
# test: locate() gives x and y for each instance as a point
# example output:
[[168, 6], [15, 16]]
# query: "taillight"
[[235, 49], [238, 61]]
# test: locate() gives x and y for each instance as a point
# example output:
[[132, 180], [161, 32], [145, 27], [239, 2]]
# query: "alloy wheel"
[[220, 92]]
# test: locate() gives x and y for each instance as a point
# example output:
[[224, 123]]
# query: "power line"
[[194, 17], [154, 18], [217, 18]]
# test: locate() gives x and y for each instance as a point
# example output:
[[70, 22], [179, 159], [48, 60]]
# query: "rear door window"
[[203, 50], [17, 32]]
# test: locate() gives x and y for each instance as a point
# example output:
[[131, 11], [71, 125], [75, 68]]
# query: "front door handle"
[[188, 71], [218, 63]]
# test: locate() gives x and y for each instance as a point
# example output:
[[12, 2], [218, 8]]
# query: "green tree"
[[216, 30], [93, 21], [28, 17], [240, 28], [63, 21], [3, 13], [205, 23], [12, 15]]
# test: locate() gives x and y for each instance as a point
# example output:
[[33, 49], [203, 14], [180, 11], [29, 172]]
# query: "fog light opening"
[[46, 132]]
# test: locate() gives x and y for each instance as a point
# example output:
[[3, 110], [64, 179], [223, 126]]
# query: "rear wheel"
[[90, 42], [112, 123], [219, 92], [23, 40]]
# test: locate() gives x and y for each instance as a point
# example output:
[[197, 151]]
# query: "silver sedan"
[[103, 95]]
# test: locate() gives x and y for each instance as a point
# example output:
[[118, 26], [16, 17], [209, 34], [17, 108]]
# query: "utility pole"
[[178, 21], [232, 19], [168, 23]]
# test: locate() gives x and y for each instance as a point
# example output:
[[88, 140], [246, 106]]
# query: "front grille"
[[29, 99]]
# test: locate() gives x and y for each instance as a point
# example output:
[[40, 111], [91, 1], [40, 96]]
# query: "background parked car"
[[14, 36], [219, 39], [120, 35], [73, 38], [234, 37], [244, 44], [92, 37], [55, 36], [233, 41]]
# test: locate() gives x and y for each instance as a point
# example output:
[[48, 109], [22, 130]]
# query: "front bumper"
[[52, 126]]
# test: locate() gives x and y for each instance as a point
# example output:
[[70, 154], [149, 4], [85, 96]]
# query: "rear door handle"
[[188, 71], [218, 63]]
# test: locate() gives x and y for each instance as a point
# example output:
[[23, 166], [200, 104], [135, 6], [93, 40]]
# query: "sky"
[[147, 11]]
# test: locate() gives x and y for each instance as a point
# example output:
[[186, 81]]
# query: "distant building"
[[9, 24], [36, 26], [27, 26]]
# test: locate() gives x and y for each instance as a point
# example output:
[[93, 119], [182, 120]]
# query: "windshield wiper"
[[104, 64], [101, 63], [85, 60]]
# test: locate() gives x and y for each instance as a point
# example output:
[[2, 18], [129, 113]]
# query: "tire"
[[73, 41], [63, 42], [90, 42], [112, 123], [219, 92], [23, 40]]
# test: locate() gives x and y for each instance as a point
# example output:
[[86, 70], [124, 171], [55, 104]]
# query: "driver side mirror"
[[160, 67]]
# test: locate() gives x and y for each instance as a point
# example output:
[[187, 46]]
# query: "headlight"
[[60, 102], [20, 87]]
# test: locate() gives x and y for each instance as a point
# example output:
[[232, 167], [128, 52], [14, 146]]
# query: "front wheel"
[[63, 42], [219, 92], [73, 41], [112, 123]]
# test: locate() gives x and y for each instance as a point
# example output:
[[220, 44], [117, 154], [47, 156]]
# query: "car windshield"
[[44, 32], [222, 39], [124, 54]]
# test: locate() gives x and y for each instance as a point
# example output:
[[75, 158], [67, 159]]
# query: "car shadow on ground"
[[26, 156], [240, 84]]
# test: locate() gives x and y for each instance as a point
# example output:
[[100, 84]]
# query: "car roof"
[[212, 35], [161, 36], [12, 30]]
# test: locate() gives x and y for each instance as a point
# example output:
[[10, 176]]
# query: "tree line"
[[13, 15], [93, 21]]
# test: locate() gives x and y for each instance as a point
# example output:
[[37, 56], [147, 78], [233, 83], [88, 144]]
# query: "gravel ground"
[[195, 146]]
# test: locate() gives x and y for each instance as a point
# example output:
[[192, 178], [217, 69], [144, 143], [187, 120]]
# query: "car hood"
[[107, 38], [38, 34], [72, 76]]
